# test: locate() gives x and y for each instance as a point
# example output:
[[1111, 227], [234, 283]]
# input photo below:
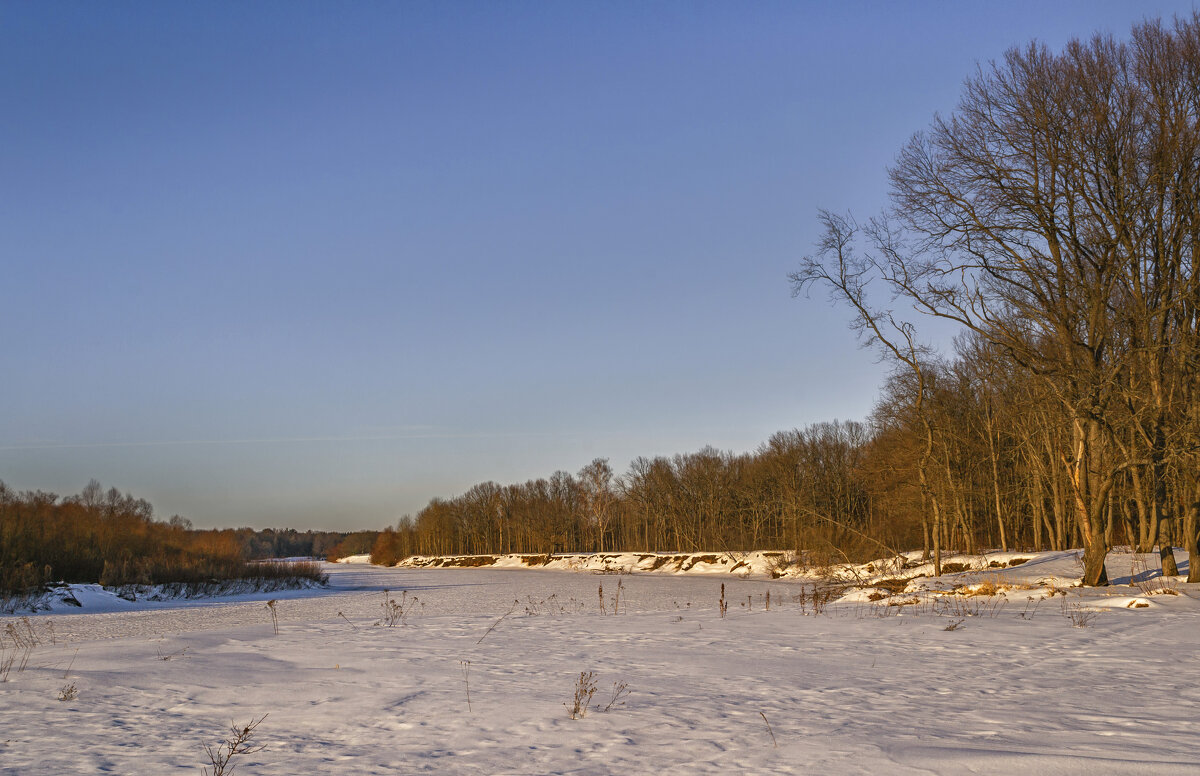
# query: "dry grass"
[[585, 688], [620, 692], [1079, 615], [396, 612], [240, 741], [988, 586], [17, 643], [893, 585], [960, 607], [466, 561], [1143, 578]]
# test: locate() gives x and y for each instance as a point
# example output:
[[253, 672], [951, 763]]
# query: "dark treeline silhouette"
[[113, 538], [290, 543], [1053, 217]]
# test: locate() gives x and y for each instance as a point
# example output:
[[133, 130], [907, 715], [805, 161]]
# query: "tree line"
[[1053, 218], [112, 538]]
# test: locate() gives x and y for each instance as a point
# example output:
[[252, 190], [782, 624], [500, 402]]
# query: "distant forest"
[[1053, 218], [112, 538]]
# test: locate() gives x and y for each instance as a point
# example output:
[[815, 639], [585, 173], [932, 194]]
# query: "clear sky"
[[312, 264]]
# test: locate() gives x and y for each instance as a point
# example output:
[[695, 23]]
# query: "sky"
[[313, 264]]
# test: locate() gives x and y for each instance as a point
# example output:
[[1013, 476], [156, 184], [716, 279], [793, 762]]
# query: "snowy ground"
[[864, 688]]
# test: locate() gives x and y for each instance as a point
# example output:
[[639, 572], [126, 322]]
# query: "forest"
[[112, 538], [1052, 219]]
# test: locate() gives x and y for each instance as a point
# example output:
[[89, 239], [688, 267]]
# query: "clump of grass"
[[585, 688], [22, 633], [620, 691], [959, 607], [1031, 607], [988, 587], [16, 645], [396, 612], [1079, 615], [172, 655], [816, 601], [1142, 577]]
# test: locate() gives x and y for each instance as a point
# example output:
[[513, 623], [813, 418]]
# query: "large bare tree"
[[1053, 213]]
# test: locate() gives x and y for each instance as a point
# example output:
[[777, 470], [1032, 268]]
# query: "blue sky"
[[312, 264]]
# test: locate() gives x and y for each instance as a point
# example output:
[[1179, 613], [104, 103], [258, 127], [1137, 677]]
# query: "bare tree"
[[846, 275], [1053, 213]]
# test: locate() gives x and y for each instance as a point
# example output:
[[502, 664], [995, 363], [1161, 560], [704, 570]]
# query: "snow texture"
[[868, 687]]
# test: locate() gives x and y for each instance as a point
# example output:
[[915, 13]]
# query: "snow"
[[865, 688]]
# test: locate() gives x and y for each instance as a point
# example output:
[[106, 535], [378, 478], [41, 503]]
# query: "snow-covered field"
[[865, 687]]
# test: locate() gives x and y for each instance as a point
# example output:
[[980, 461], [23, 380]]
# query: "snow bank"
[[1055, 568], [773, 564], [67, 598], [1014, 576]]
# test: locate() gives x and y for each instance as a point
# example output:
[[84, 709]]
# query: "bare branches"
[[240, 741], [1055, 214]]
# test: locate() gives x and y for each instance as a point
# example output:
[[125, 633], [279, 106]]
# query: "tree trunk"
[[1037, 504], [1094, 573], [996, 482], [1191, 537], [1166, 556]]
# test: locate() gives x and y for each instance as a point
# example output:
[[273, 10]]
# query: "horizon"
[[309, 266]]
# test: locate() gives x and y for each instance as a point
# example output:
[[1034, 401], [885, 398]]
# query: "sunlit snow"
[[864, 688]]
